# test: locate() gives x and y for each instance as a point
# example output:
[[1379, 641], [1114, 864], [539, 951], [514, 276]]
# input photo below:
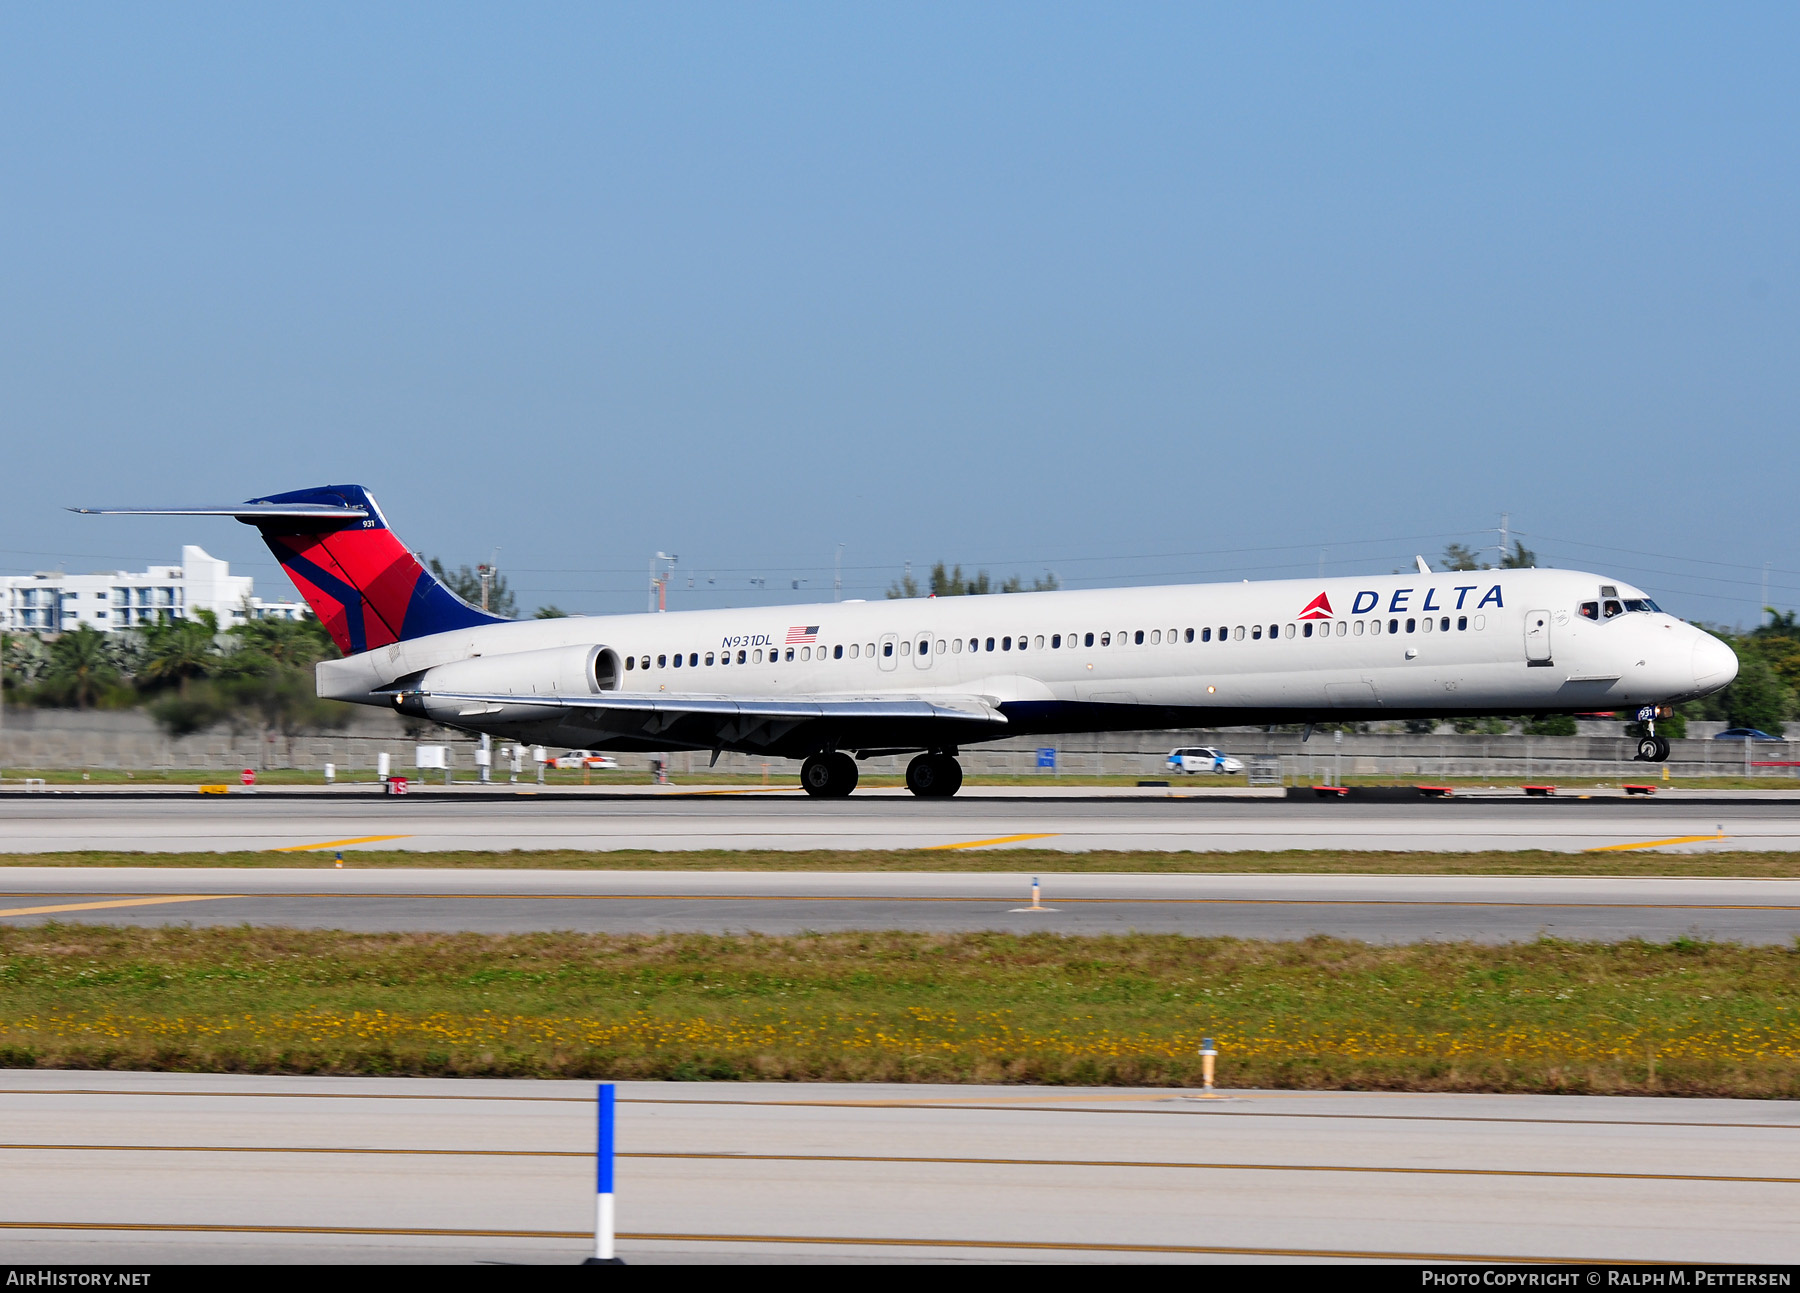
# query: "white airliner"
[[827, 684]]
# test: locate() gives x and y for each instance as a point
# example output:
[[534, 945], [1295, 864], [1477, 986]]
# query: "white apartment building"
[[52, 602]]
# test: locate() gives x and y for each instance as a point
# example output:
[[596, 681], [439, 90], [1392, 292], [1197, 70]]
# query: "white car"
[[1203, 758], [584, 759]]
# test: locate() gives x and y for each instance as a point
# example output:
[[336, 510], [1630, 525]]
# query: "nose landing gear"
[[828, 776], [1651, 747], [934, 776]]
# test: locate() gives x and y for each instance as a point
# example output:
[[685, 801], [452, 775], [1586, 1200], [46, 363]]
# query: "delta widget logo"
[[1319, 608]]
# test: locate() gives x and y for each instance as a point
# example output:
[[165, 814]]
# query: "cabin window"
[[990, 644], [1273, 629], [1444, 624], [1156, 636], [678, 662], [1206, 635], [1480, 622], [1106, 639], [1037, 643], [1237, 634], [756, 656], [1462, 623], [855, 651], [837, 653], [1374, 628], [887, 650], [630, 661], [1171, 635], [1006, 644], [869, 649], [924, 646], [724, 657], [1288, 631], [1122, 635], [709, 656], [1359, 628], [1190, 635], [1056, 641], [955, 646], [906, 648], [1307, 631], [1090, 639], [1426, 624], [942, 646], [1140, 637], [662, 661], [1256, 633]]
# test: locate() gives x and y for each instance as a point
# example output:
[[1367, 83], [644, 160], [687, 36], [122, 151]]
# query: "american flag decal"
[[803, 635]]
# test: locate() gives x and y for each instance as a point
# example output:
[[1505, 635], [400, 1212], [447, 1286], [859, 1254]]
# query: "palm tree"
[[181, 650], [81, 667]]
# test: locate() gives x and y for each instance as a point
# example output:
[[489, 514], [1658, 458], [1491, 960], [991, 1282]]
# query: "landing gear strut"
[[828, 776], [1651, 747], [934, 776]]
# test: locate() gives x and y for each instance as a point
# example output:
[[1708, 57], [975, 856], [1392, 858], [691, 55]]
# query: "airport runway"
[[1375, 908], [193, 822], [122, 1168]]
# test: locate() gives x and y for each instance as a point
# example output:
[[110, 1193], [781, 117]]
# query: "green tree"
[[1758, 697], [80, 669], [1458, 556], [176, 652], [551, 612], [907, 586], [466, 584], [951, 582], [1520, 558], [1551, 725]]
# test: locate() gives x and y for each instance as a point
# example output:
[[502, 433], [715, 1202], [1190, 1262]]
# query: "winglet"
[[1423, 568]]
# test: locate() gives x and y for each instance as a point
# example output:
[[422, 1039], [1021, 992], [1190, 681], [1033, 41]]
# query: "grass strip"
[[1765, 865], [1684, 1018]]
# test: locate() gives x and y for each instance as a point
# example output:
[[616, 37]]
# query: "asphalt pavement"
[[125, 1168], [1375, 908]]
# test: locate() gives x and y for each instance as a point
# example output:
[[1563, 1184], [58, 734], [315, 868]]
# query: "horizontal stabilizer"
[[242, 511]]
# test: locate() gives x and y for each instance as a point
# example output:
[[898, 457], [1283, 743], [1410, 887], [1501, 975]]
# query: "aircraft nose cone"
[[1715, 664]]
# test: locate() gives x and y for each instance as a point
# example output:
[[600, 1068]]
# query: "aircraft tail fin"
[[359, 579]]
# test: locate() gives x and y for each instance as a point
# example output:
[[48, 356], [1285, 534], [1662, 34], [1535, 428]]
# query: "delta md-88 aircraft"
[[827, 684]]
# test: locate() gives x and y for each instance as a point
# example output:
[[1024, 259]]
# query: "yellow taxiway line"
[[117, 902], [338, 844], [1003, 839], [1657, 844]]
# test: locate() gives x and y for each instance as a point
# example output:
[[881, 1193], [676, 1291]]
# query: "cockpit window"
[[1613, 608], [1640, 604], [1590, 610]]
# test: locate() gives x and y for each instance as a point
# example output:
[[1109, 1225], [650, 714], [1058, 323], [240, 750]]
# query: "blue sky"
[[1129, 293]]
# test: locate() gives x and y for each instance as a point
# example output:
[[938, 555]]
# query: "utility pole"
[[659, 581], [837, 578], [1505, 520], [1764, 610]]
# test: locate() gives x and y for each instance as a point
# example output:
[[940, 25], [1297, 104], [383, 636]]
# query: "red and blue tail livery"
[[361, 582]]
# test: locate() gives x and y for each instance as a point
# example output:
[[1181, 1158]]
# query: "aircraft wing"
[[775, 725]]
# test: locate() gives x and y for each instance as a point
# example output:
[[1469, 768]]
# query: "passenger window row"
[[1060, 641]]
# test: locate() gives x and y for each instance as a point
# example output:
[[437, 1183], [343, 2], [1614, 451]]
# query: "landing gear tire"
[[934, 776], [1662, 749], [828, 776], [1653, 749]]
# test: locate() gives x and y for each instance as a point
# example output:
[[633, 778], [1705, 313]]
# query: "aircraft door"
[[887, 651], [922, 650], [1537, 637]]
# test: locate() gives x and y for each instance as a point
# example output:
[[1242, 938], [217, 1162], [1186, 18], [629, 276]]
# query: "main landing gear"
[[934, 776], [828, 776]]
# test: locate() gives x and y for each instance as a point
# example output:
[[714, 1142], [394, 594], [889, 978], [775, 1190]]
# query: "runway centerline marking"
[[117, 902], [1657, 844], [921, 1160], [338, 844], [999, 839]]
